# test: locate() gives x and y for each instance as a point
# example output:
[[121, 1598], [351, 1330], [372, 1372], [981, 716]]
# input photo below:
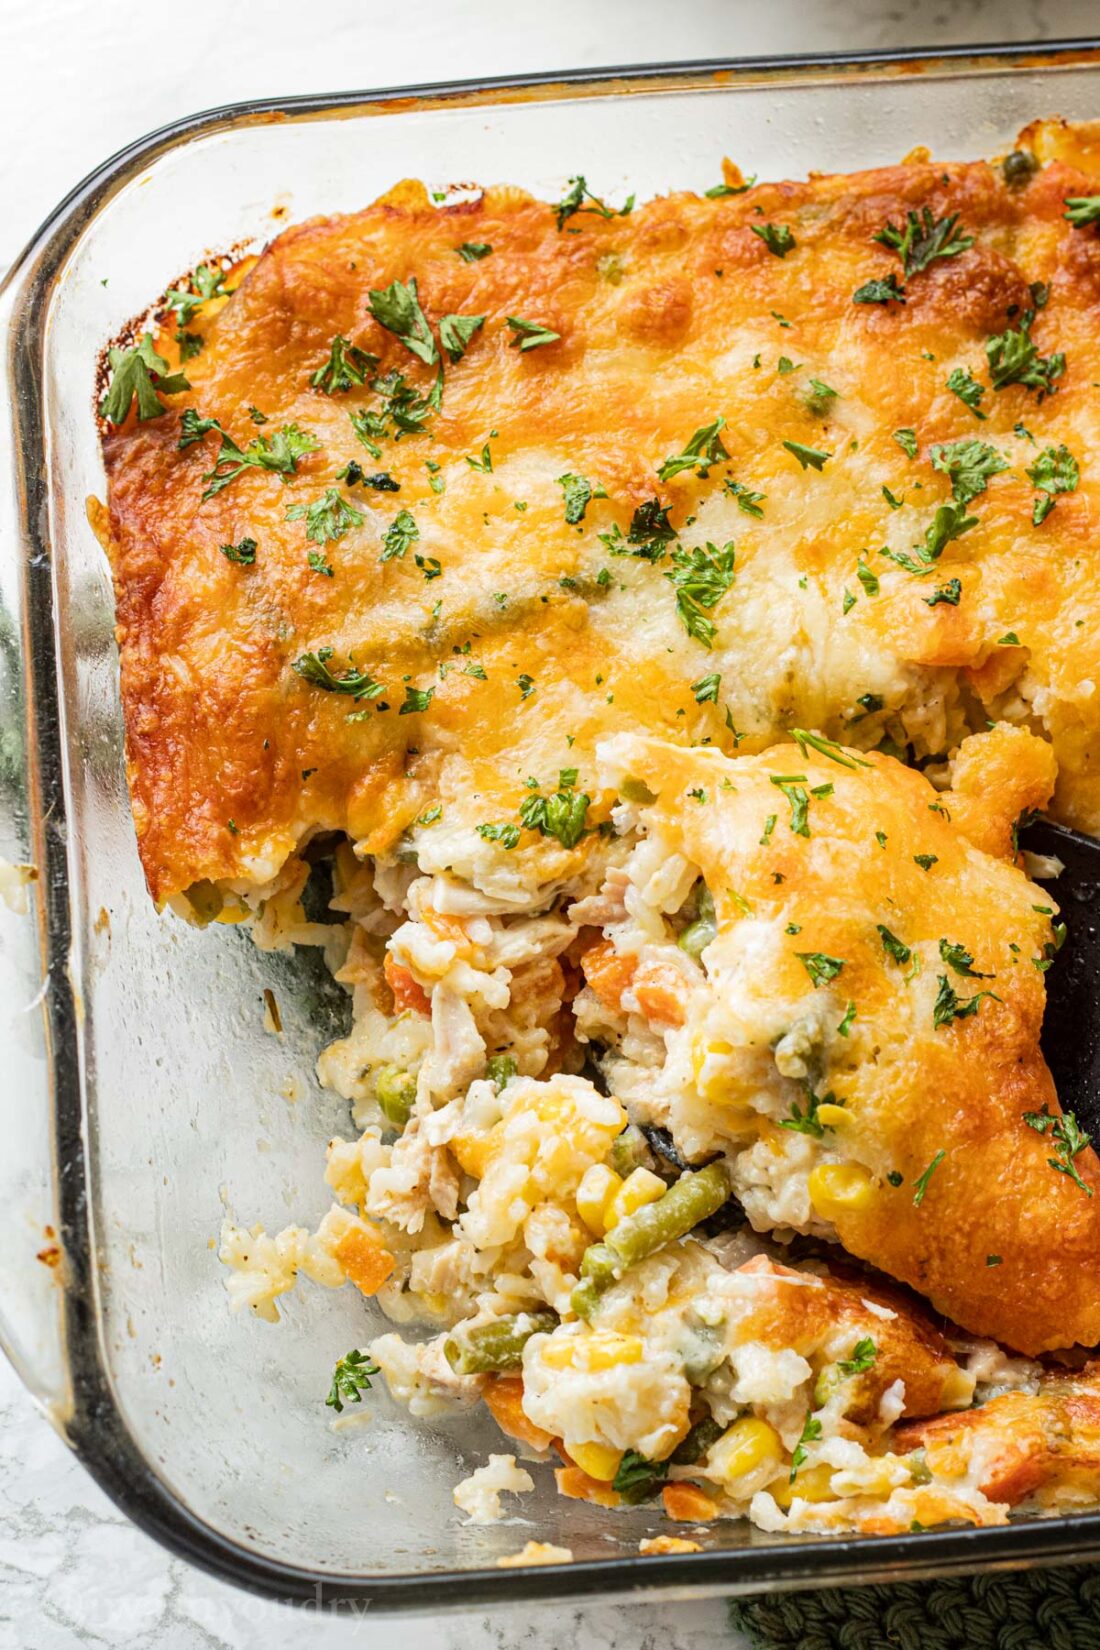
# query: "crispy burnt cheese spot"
[[627, 366], [922, 1157]]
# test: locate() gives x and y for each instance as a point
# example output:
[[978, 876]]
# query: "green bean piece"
[[698, 1441], [697, 1194], [395, 1091], [598, 1263], [490, 1347], [698, 934], [585, 1298], [501, 1068], [628, 1150]]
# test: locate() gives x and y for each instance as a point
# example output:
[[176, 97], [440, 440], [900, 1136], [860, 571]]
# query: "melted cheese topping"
[[925, 1164], [534, 639]]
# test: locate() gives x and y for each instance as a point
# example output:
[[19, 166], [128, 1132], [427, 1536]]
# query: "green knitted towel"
[[1017, 1610]]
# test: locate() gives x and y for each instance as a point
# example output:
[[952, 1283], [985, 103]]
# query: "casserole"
[[151, 1035]]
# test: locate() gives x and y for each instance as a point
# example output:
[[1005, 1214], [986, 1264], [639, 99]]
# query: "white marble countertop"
[[76, 82]]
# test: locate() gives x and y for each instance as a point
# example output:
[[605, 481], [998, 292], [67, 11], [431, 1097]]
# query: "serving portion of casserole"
[[656, 621]]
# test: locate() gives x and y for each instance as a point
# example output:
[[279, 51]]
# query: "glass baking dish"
[[143, 1095]]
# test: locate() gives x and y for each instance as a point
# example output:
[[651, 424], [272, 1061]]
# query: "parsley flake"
[[701, 577], [328, 518], [139, 374], [820, 966], [350, 1379], [530, 334], [346, 366]]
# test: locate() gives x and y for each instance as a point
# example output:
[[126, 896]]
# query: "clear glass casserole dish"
[[142, 1093]]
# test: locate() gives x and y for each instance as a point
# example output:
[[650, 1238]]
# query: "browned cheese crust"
[[668, 318]]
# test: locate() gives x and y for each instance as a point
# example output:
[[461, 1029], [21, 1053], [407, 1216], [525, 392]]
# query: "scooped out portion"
[[834, 975], [630, 1152]]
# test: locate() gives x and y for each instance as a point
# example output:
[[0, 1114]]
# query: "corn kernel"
[[749, 1443], [598, 1186], [558, 1354], [833, 1117], [811, 1484], [599, 1461], [640, 1187], [605, 1349], [839, 1189]]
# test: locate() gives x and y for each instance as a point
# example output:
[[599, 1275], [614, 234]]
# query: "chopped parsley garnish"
[[1054, 471], [706, 689], [820, 966], [526, 685], [399, 535], [894, 947], [926, 861], [969, 391], [747, 500], [867, 579], [650, 531], [278, 453], [819, 398], [959, 958], [242, 554], [704, 449], [430, 566], [397, 308], [350, 1379], [346, 366], [810, 458], [826, 747], [208, 283], [848, 602], [923, 240], [798, 799], [141, 374], [777, 237], [811, 1432], [578, 490], [358, 684], [808, 1122], [1066, 1138], [921, 1182], [561, 815], [638, 1478], [1082, 210], [907, 441], [455, 333], [190, 345], [530, 334], [769, 827], [968, 465], [316, 563], [845, 1025], [471, 252], [1009, 639], [507, 835], [894, 503], [949, 1006], [950, 522], [485, 462], [328, 518], [701, 577], [404, 411], [863, 1356], [881, 290], [573, 202], [416, 700], [354, 475], [1015, 359], [945, 595]]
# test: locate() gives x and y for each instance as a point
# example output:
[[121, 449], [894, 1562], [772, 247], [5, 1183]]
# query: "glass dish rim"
[[94, 1426]]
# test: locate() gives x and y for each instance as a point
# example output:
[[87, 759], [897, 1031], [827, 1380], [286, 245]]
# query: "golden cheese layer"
[[916, 958], [532, 636]]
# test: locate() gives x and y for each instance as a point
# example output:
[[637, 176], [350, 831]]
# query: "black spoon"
[[1071, 1025]]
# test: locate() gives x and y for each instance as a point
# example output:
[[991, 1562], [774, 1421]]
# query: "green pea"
[[395, 1091]]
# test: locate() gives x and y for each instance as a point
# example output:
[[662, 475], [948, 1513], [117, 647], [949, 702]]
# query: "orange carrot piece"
[[503, 1397], [406, 992], [608, 972], [578, 1486], [365, 1259], [687, 1504]]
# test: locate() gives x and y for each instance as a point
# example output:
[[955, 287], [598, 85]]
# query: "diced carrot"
[[660, 993], [503, 1397], [364, 1257], [446, 928], [608, 972], [406, 992], [578, 1486], [688, 1504]]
